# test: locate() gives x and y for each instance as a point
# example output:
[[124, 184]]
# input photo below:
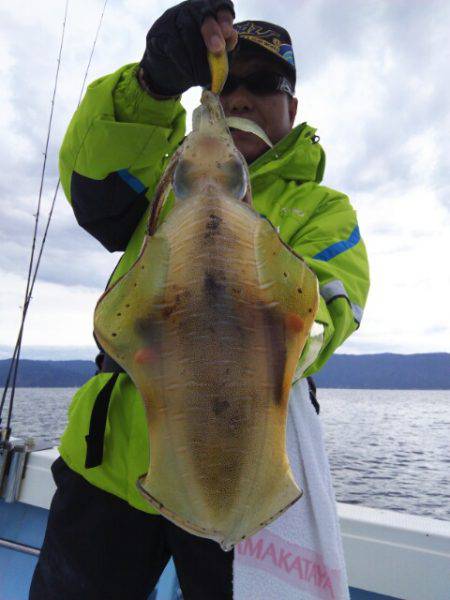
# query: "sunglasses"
[[260, 83]]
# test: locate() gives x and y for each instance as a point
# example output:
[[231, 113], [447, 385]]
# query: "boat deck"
[[389, 555]]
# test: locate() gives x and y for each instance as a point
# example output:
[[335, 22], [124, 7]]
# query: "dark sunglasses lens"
[[260, 83], [263, 83]]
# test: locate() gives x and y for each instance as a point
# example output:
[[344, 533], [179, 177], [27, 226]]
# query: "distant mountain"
[[387, 371], [366, 371], [49, 373]]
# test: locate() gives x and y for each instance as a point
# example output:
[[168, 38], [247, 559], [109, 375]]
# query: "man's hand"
[[175, 56]]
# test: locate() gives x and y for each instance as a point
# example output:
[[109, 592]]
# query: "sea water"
[[387, 448]]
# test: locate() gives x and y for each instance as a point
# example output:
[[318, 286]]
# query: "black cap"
[[273, 39]]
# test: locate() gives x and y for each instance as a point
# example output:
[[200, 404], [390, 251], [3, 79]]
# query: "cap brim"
[[247, 45]]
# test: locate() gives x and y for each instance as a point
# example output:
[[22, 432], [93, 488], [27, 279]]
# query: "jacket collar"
[[298, 157]]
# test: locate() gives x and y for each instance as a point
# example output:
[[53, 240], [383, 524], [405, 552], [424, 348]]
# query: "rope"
[[13, 367]]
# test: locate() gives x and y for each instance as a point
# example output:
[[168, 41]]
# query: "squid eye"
[[182, 182], [235, 178]]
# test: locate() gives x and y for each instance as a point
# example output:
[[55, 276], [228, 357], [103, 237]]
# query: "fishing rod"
[[31, 279], [17, 348], [16, 355]]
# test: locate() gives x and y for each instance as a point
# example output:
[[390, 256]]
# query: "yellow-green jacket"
[[112, 157]]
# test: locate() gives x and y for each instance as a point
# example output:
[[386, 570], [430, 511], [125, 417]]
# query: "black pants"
[[97, 547]]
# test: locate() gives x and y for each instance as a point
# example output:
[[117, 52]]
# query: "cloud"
[[372, 78], [58, 315]]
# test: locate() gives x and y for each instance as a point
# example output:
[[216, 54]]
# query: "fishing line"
[[29, 289], [92, 52]]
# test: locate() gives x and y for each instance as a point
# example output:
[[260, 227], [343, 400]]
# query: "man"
[[103, 540]]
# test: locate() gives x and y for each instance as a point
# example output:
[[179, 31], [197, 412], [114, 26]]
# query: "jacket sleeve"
[[331, 244], [114, 152]]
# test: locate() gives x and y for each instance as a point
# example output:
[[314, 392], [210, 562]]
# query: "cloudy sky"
[[373, 78]]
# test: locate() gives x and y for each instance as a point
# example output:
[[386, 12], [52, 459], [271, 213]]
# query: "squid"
[[210, 323]]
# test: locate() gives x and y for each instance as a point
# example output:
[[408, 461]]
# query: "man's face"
[[274, 112]]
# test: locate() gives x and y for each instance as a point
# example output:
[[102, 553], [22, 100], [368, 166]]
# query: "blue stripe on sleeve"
[[132, 181], [339, 247]]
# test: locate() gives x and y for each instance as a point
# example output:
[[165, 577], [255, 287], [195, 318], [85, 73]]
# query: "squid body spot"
[[144, 355], [294, 322]]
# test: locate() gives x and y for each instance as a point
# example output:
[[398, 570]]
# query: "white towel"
[[299, 556]]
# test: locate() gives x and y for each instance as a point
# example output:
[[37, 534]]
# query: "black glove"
[[175, 56]]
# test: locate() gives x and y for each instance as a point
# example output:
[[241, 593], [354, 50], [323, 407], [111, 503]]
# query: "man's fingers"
[[212, 35], [232, 41], [218, 33], [225, 20]]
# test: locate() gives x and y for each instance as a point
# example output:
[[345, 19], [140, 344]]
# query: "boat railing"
[[392, 553]]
